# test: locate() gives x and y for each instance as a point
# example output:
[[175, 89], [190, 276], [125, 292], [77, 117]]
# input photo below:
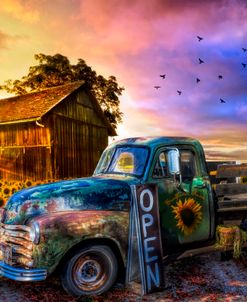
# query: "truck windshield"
[[123, 160]]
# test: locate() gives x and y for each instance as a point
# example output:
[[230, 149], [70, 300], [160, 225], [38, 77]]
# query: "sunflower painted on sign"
[[188, 215]]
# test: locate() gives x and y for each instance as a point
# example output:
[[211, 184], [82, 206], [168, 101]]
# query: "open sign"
[[146, 214]]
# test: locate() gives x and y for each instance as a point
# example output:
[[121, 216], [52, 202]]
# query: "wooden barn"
[[56, 133]]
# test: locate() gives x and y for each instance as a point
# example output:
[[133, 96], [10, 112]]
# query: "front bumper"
[[20, 274]]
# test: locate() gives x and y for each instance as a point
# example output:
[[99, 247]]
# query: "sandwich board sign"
[[145, 246]]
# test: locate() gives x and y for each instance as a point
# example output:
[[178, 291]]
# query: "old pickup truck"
[[80, 227]]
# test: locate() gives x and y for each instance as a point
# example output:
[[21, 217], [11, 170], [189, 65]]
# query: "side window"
[[188, 167], [161, 167]]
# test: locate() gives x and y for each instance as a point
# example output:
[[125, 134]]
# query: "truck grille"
[[16, 247]]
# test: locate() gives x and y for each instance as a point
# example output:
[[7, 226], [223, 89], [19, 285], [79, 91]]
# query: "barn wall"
[[77, 147], [25, 152], [79, 137], [78, 106]]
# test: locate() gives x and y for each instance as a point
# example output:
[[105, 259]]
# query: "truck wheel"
[[91, 271]]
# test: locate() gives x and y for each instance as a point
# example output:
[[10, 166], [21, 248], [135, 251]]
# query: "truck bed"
[[232, 201], [231, 192]]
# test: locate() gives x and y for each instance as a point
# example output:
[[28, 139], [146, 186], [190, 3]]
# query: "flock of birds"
[[200, 61]]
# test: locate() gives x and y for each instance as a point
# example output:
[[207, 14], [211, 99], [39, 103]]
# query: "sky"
[[137, 41]]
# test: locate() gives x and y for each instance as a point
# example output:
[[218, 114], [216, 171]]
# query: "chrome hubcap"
[[90, 270]]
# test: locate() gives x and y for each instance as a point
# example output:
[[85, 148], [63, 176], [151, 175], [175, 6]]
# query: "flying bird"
[[179, 92], [222, 101], [157, 87], [201, 61], [244, 49], [162, 76], [244, 65], [197, 80], [199, 38], [220, 76]]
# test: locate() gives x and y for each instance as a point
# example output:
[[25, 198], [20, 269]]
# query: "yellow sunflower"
[[14, 188], [188, 215], [6, 191], [28, 183]]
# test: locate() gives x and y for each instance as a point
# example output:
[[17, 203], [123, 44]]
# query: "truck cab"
[[187, 211]]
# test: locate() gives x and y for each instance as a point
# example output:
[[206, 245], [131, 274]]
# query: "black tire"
[[91, 271], [226, 256]]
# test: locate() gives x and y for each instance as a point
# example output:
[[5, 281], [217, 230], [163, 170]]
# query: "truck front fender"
[[61, 231]]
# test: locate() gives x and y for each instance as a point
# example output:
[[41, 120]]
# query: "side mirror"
[[173, 161]]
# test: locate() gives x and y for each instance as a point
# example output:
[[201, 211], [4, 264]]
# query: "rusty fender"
[[60, 231]]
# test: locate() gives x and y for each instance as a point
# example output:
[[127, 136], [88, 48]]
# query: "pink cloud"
[[137, 41], [120, 26]]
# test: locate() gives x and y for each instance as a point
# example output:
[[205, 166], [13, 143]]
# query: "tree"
[[56, 70]]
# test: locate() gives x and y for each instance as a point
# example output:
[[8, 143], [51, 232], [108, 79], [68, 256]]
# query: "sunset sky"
[[137, 41]]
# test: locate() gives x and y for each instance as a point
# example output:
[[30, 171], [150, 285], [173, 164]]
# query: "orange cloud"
[[20, 10], [4, 38]]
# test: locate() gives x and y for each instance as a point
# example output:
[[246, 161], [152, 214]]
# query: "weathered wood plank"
[[206, 250], [231, 189], [232, 213], [232, 209], [226, 171], [25, 146], [233, 201]]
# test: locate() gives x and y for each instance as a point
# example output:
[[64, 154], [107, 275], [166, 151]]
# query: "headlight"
[[34, 232]]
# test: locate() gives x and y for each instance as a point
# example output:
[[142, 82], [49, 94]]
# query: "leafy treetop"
[[56, 70]]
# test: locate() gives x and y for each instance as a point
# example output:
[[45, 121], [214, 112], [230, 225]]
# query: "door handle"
[[201, 186]]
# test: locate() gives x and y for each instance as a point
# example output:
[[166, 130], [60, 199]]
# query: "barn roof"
[[32, 106]]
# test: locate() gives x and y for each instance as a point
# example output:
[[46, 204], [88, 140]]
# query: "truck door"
[[184, 200]]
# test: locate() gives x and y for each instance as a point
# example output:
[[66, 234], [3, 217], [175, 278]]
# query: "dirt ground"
[[205, 279]]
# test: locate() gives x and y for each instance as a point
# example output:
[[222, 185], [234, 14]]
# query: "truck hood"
[[94, 193]]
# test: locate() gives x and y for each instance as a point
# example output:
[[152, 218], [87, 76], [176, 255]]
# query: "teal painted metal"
[[81, 194], [69, 212]]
